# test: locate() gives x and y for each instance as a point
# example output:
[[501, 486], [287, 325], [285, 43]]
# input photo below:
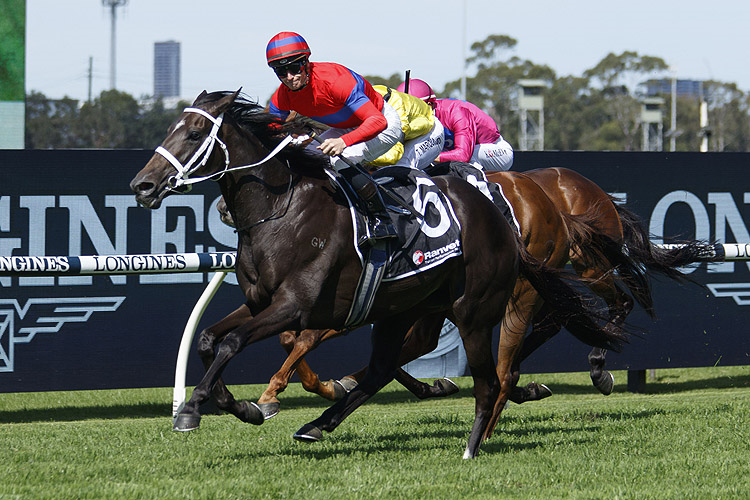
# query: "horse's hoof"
[[251, 413], [308, 434], [543, 391], [348, 383], [605, 383], [446, 385], [269, 410], [186, 422]]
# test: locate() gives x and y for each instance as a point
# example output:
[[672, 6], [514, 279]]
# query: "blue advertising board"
[[96, 332]]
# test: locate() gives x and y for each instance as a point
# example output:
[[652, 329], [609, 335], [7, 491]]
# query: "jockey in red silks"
[[476, 137], [363, 125]]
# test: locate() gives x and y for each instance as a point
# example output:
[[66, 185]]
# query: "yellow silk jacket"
[[417, 119]]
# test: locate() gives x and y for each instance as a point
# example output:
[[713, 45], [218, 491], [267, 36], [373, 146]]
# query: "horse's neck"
[[255, 192]]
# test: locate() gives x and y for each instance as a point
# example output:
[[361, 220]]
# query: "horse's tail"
[[659, 260], [568, 306], [597, 250]]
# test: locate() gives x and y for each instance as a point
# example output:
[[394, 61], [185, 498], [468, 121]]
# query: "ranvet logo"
[[418, 257]]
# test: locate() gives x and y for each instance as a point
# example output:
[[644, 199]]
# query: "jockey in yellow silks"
[[423, 132]]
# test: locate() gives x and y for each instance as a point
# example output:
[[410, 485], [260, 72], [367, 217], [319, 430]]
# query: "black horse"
[[281, 204]]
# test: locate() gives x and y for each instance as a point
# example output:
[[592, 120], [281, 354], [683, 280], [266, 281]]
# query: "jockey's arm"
[[373, 122], [464, 136]]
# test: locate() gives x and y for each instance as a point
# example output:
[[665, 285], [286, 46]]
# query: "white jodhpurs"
[[497, 156], [420, 152], [364, 152]]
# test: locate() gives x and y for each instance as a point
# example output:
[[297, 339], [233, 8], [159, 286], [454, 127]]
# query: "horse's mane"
[[270, 130]]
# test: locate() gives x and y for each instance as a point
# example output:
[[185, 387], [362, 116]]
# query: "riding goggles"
[[294, 67]]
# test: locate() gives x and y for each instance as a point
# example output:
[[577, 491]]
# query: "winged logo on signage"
[[20, 323], [740, 292]]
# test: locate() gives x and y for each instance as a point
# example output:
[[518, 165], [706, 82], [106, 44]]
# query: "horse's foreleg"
[[297, 346], [544, 328], [518, 315], [268, 402], [331, 390], [207, 341], [276, 318]]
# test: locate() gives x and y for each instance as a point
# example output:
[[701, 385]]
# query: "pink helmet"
[[419, 88]]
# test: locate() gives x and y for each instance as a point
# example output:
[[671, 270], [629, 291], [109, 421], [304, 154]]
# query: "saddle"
[[428, 233]]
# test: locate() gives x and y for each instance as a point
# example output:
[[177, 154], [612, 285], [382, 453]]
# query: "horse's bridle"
[[182, 177]]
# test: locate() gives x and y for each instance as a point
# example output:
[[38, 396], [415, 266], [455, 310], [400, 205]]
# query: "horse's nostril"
[[143, 187]]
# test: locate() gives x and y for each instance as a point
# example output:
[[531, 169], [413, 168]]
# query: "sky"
[[223, 42]]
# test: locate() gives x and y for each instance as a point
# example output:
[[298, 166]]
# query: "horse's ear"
[[235, 94], [201, 96], [226, 101]]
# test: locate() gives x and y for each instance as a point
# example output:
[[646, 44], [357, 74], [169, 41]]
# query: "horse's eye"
[[194, 135]]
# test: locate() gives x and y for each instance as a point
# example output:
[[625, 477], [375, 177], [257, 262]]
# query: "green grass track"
[[687, 437]]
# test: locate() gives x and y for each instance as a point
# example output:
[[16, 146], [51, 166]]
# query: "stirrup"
[[378, 229], [382, 229]]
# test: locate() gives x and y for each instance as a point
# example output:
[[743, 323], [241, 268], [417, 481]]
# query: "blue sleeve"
[[272, 109]]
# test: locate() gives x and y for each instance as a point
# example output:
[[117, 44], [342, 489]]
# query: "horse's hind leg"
[[477, 343], [620, 305], [297, 346], [422, 339], [387, 339]]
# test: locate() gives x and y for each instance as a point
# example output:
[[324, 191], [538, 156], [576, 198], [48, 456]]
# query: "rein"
[[182, 178], [278, 213]]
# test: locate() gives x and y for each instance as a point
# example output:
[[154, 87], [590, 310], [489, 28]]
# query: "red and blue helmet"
[[286, 47]]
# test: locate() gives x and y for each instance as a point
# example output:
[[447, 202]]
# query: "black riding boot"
[[377, 215]]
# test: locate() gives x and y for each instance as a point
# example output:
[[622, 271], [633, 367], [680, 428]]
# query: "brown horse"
[[548, 235], [609, 228], [597, 231], [617, 227], [280, 203]]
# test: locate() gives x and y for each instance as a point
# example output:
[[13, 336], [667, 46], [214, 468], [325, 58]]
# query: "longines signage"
[[55, 204]]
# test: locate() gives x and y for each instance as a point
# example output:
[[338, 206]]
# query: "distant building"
[[166, 69], [685, 88]]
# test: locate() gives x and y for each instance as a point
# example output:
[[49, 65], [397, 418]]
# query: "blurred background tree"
[[599, 110]]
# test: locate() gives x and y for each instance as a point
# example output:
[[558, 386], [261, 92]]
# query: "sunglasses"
[[294, 67]]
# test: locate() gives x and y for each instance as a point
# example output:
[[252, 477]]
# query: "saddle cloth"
[[427, 241], [476, 177]]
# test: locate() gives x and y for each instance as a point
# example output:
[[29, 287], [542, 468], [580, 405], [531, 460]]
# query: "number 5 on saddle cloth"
[[423, 242]]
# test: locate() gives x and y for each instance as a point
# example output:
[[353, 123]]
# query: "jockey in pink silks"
[[476, 138]]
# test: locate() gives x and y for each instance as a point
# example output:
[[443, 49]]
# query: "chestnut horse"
[[618, 228], [279, 202]]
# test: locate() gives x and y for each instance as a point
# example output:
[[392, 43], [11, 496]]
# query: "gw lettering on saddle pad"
[[427, 242]]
